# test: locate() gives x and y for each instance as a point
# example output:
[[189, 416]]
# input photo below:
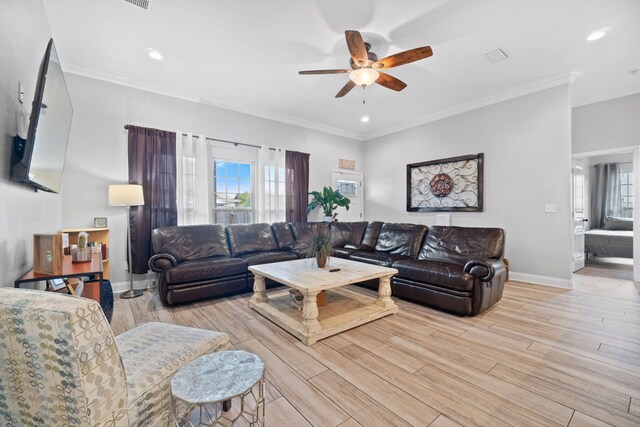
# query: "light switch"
[[550, 208]]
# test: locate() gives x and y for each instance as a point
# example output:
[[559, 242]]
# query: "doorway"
[[627, 160], [349, 184]]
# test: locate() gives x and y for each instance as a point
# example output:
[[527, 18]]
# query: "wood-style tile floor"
[[541, 356]]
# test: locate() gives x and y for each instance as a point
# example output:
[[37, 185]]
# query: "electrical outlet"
[[550, 208]]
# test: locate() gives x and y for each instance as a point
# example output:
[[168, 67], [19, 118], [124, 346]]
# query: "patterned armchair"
[[62, 366]]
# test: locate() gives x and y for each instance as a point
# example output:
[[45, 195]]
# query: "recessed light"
[[365, 119], [598, 34], [154, 54]]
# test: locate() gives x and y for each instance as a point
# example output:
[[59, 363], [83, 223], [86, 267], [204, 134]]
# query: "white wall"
[[527, 146], [24, 33], [605, 125], [97, 154]]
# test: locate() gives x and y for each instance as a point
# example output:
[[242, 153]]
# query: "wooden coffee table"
[[345, 308]]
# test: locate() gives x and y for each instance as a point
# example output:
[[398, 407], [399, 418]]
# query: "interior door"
[[350, 185], [578, 214]]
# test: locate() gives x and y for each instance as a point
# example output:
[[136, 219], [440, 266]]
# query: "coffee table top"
[[304, 275], [216, 377]]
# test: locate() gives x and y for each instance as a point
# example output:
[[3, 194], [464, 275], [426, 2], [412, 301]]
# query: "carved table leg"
[[384, 293], [310, 313], [259, 290]]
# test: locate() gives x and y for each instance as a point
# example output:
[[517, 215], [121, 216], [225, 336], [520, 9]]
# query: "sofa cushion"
[[401, 239], [443, 274], [347, 234], [284, 236], [382, 259], [370, 237], [188, 242], [268, 257], [206, 268], [247, 238], [342, 252], [302, 231], [460, 244]]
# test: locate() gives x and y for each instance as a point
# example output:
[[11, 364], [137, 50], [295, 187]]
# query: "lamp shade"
[[364, 76], [126, 195]]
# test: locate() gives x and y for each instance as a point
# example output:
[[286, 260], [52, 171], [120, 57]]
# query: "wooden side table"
[[200, 389], [93, 269]]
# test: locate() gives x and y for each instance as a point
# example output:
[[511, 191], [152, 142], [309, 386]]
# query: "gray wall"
[[527, 146], [97, 154], [606, 125], [24, 33]]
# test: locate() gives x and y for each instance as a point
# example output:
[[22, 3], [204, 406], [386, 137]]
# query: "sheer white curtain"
[[270, 200], [192, 162]]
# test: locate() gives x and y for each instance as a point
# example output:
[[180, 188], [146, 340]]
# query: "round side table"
[[201, 388]]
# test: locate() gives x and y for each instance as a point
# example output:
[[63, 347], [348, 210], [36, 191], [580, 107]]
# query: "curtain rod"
[[221, 140]]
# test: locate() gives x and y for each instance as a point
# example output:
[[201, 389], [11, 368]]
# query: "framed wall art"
[[446, 185], [100, 222]]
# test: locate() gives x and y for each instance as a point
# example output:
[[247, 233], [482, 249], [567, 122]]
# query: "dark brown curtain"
[[152, 163], [296, 185]]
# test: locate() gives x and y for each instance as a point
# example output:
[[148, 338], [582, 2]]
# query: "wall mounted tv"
[[38, 160]]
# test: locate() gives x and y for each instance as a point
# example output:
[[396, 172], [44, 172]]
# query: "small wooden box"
[[47, 254]]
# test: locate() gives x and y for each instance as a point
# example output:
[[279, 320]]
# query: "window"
[[347, 188], [233, 195], [626, 190]]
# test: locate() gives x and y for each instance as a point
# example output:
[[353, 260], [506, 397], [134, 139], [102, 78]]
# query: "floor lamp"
[[127, 195]]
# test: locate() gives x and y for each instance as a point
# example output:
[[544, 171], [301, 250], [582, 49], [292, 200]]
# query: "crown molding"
[[148, 85], [515, 92]]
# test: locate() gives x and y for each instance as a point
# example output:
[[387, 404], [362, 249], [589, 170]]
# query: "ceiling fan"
[[366, 68]]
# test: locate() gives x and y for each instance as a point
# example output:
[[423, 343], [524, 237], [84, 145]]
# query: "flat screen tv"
[[38, 160]]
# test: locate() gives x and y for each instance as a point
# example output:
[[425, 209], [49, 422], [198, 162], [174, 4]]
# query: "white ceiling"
[[244, 55]]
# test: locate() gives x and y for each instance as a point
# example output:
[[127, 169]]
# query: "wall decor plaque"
[[446, 185], [347, 164]]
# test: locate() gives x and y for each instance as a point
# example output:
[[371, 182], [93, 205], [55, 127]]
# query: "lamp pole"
[[131, 293]]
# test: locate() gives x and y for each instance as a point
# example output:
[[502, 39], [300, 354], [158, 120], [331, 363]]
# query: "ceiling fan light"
[[364, 76]]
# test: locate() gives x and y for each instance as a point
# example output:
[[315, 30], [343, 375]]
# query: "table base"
[[246, 409], [345, 309]]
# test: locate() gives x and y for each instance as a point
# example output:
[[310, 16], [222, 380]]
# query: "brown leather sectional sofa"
[[457, 269]]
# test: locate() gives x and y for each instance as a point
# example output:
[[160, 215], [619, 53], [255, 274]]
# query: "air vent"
[[496, 55], [140, 3]]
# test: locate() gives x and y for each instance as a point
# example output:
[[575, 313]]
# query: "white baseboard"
[[541, 280], [119, 287]]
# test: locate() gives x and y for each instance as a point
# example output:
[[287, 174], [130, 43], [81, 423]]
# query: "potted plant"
[[320, 247], [328, 200]]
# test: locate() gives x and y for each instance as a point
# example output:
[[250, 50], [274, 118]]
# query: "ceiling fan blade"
[[404, 57], [390, 82], [324, 71], [345, 89], [356, 46]]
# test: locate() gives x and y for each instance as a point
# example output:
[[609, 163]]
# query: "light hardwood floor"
[[541, 356]]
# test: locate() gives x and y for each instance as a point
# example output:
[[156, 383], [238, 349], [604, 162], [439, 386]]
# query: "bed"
[[615, 239]]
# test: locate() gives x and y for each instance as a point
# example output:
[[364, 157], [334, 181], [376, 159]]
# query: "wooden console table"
[[93, 269]]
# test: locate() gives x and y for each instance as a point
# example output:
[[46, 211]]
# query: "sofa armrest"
[[483, 269], [161, 262]]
